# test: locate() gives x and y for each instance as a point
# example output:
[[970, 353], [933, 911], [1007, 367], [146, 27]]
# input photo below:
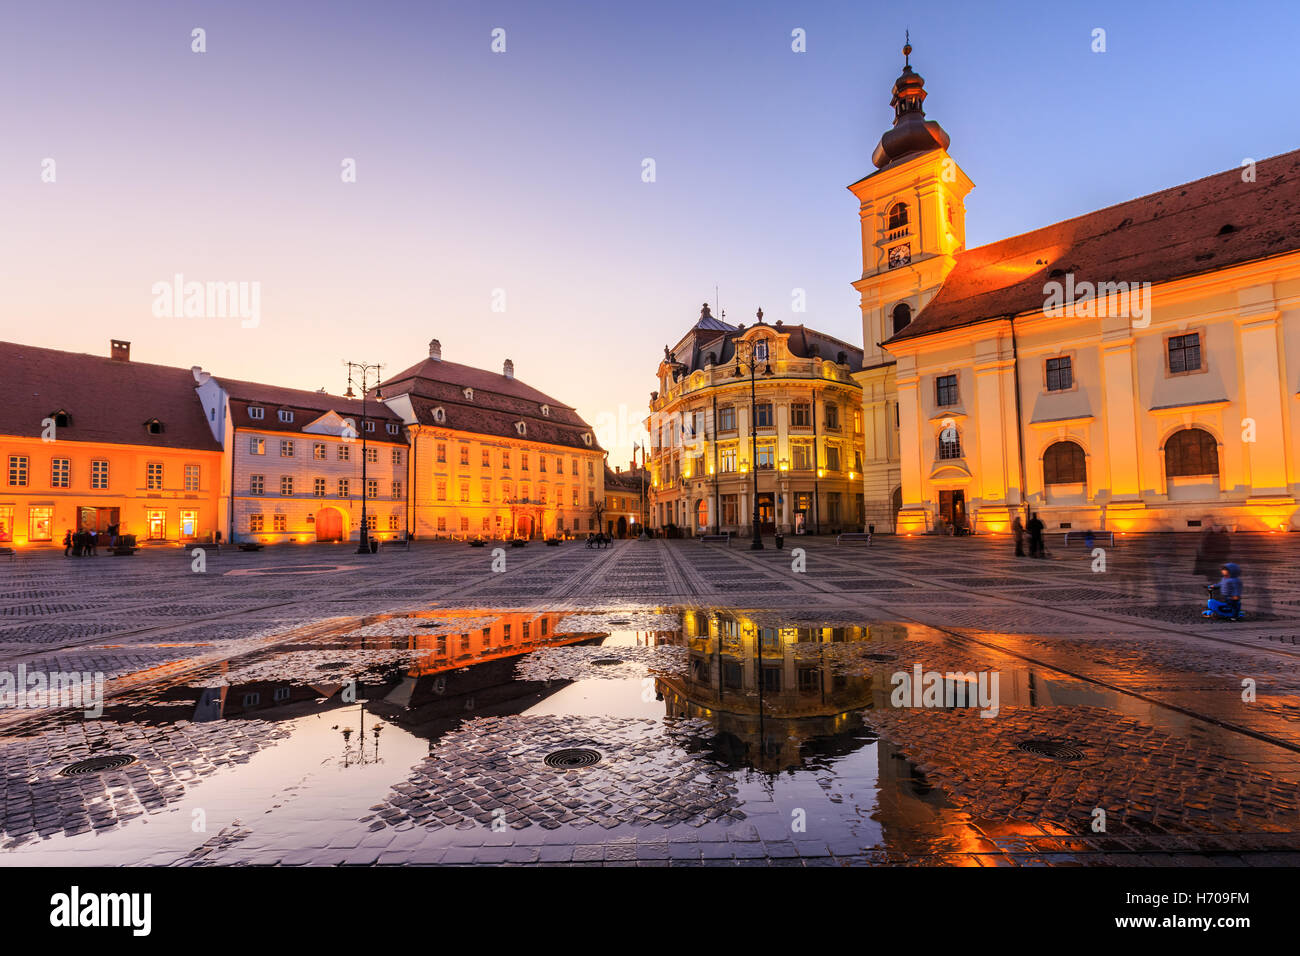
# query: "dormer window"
[[370, 426], [898, 216], [256, 411], [546, 411], [285, 415], [586, 438], [391, 428], [154, 426], [469, 394], [521, 427], [760, 350], [61, 418], [440, 414]]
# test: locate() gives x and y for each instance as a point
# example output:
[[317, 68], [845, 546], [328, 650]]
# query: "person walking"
[[1018, 530], [1035, 528], [67, 542]]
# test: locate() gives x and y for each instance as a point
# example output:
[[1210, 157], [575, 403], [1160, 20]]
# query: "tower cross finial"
[[907, 47]]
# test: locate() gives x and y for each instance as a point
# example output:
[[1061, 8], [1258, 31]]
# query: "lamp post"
[[643, 516], [750, 359], [363, 371]]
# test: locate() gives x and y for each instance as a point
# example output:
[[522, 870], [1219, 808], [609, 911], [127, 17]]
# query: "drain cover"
[[97, 765], [1054, 749], [607, 660], [572, 758], [620, 622]]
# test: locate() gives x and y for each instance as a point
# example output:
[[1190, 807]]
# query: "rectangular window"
[[442, 452], [154, 476], [157, 523], [257, 446], [254, 523], [505, 460], [766, 456], [949, 443], [1060, 375], [727, 460], [833, 507], [487, 524], [392, 522], [945, 390], [442, 524], [832, 458], [574, 462], [40, 524], [344, 488], [397, 489], [464, 491], [727, 418], [6, 523], [523, 461], [800, 414], [286, 449], [189, 524], [191, 477], [257, 484], [541, 462], [486, 460], [397, 456], [286, 485], [802, 456], [318, 450], [464, 454], [372, 487], [1185, 352], [99, 475], [372, 521], [60, 472], [441, 488], [575, 497], [729, 509], [464, 524], [485, 491], [763, 415], [591, 472], [833, 417], [345, 453], [318, 487], [279, 523], [372, 456]]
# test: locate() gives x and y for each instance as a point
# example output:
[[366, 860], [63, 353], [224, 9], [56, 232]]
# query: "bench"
[[853, 536], [246, 546], [725, 538], [1098, 535]]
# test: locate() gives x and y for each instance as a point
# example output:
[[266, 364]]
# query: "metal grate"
[[572, 758], [97, 765], [1052, 749]]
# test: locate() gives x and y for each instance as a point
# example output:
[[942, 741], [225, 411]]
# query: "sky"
[[500, 202]]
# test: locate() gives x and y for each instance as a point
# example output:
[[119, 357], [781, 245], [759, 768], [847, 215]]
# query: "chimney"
[[121, 350], [618, 469], [508, 370], [200, 376], [435, 350]]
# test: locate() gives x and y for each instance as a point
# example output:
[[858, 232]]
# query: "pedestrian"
[[94, 543], [67, 542], [1211, 553], [1088, 540], [1035, 528], [1018, 529]]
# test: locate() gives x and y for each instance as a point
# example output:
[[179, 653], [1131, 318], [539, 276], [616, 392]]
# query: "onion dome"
[[912, 132]]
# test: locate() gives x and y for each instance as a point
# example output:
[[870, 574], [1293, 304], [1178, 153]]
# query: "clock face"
[[900, 255]]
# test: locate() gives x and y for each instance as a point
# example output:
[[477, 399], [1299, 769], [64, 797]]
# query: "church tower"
[[913, 214]]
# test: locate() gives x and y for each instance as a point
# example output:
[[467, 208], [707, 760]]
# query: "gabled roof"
[[108, 401], [479, 420], [307, 407], [1199, 227]]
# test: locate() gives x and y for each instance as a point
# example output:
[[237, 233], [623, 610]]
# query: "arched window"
[[1192, 451], [702, 514], [1064, 464], [898, 216], [902, 317], [949, 443]]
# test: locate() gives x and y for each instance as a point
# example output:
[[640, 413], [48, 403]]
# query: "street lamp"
[[363, 371], [748, 351]]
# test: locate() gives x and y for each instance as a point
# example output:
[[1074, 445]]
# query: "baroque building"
[[492, 457], [803, 440], [92, 443], [1133, 368]]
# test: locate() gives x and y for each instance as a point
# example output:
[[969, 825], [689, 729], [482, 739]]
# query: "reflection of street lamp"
[[363, 371], [748, 350]]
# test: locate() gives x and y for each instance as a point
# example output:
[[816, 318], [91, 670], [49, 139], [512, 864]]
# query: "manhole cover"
[[1054, 749], [604, 661], [620, 622], [97, 765], [572, 758]]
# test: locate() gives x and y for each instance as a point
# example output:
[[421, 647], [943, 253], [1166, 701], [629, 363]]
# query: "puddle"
[[426, 734]]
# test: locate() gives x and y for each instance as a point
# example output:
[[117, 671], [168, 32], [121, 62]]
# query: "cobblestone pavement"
[[1189, 729]]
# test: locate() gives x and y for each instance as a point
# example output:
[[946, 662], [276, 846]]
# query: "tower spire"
[[912, 132]]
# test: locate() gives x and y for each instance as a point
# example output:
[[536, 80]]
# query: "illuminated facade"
[[1129, 369], [626, 494], [91, 443], [492, 457], [294, 463], [807, 431]]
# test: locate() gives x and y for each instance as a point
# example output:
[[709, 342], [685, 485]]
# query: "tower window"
[[902, 317], [898, 216]]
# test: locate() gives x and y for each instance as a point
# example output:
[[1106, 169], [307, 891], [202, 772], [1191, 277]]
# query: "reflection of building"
[[1126, 369], [771, 691], [491, 456], [87, 443], [626, 493], [807, 422], [295, 462]]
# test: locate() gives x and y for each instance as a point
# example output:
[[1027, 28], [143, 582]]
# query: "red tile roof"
[[107, 400], [1167, 235], [307, 407]]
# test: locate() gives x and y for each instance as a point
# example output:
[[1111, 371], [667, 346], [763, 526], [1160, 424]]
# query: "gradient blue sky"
[[522, 170]]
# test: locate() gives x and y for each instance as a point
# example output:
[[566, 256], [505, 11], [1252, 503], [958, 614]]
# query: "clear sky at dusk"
[[521, 170]]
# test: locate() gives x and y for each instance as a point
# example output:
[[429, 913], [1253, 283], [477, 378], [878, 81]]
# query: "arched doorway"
[[329, 525], [622, 527], [896, 503], [524, 526]]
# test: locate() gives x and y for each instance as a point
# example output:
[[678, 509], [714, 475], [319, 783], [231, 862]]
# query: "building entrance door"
[[767, 513], [952, 508], [329, 525]]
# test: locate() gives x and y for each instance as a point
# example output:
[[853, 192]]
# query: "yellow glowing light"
[[852, 476], [821, 473]]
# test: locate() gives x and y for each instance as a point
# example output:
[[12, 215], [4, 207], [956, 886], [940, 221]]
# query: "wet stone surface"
[[601, 663]]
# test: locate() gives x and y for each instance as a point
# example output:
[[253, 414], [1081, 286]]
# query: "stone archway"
[[329, 525]]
